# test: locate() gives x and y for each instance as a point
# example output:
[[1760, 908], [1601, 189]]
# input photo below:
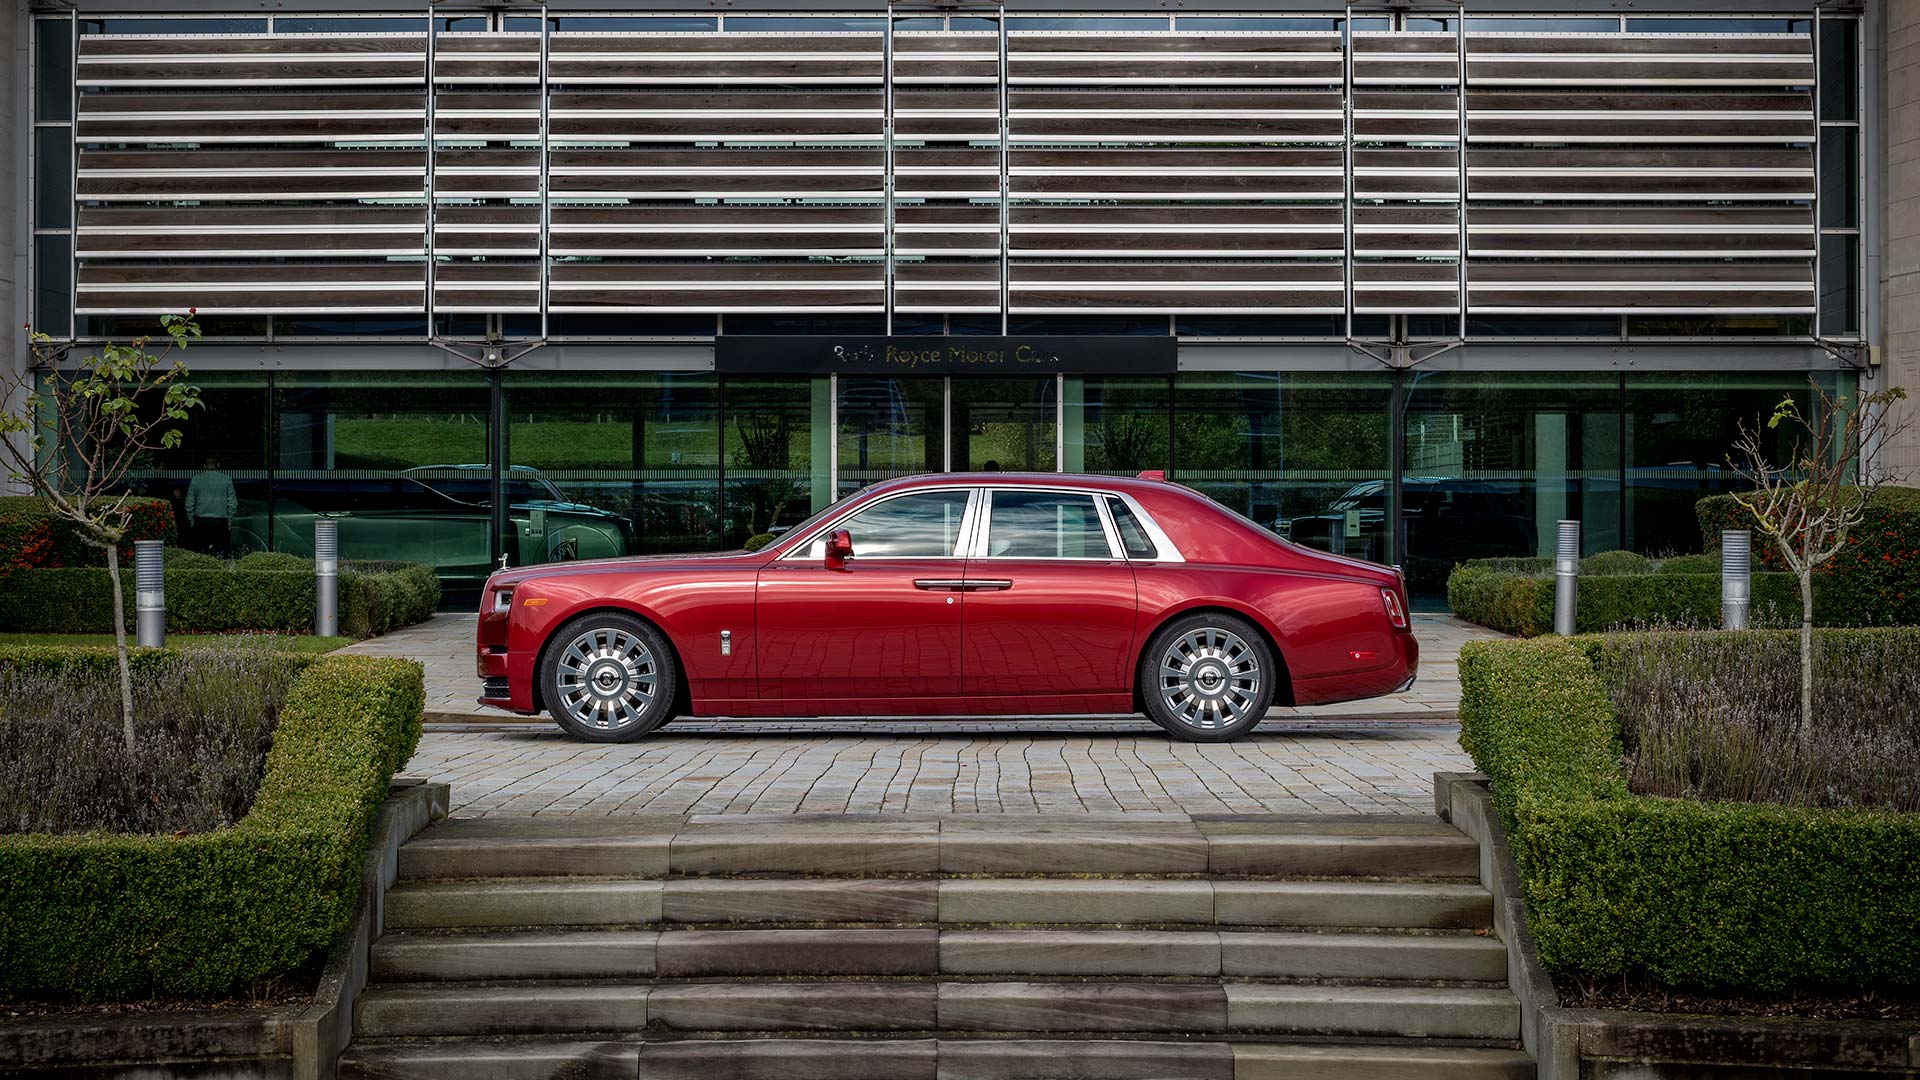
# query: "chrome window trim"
[[963, 541]]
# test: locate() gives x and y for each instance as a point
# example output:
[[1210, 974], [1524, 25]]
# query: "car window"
[[1133, 536], [922, 525], [1045, 525]]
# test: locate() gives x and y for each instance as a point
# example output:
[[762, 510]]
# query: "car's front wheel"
[[608, 677], [1208, 677]]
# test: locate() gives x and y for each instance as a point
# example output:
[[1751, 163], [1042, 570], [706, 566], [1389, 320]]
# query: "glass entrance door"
[[1010, 425], [889, 427]]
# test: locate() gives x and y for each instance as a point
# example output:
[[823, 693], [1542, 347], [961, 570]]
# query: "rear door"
[[1050, 604]]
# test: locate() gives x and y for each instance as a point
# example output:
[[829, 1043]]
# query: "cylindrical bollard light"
[[1736, 578], [149, 593], [326, 578], [1566, 579]]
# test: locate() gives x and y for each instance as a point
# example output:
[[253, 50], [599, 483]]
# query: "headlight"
[[503, 599]]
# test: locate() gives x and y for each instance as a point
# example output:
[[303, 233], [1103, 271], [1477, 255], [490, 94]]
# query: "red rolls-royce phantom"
[[957, 595]]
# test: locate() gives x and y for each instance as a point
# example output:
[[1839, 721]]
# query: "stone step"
[[587, 902], [1185, 1008], [924, 1059], [663, 847], [589, 954]]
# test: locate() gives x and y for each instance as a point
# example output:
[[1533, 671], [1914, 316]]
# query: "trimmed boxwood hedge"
[[1522, 603], [1875, 580], [1692, 894], [104, 916], [374, 598]]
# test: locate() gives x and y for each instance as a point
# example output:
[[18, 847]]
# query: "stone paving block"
[[1396, 1011], [753, 849], [1058, 846], [683, 953], [522, 902], [1042, 1059], [789, 1059], [1333, 855], [786, 1006], [711, 900], [1309, 1061], [515, 954], [532, 1060], [1083, 1006], [1079, 952], [1088, 900], [397, 1011], [1362, 956], [1430, 905]]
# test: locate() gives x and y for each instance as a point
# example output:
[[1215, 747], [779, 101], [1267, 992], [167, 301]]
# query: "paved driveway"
[[1375, 757]]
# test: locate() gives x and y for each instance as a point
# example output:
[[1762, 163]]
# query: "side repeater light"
[[1395, 613]]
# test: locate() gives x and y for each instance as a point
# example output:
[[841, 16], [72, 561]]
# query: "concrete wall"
[[1900, 282]]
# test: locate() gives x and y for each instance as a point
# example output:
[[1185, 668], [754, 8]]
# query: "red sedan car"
[[957, 595]]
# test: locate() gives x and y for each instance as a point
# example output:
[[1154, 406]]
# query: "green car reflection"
[[434, 514]]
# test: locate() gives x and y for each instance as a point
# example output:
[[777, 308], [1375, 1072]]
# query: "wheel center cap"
[[1209, 679], [608, 679]]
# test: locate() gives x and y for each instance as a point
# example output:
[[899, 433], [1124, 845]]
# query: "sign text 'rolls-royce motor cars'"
[[977, 594]]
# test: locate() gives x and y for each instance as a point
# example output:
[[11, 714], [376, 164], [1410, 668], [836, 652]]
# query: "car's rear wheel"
[[609, 677], [1208, 677]]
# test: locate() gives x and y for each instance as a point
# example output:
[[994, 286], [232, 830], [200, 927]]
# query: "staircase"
[[986, 947]]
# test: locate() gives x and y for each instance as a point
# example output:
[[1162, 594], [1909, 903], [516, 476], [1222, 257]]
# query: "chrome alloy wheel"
[[1209, 678], [607, 678]]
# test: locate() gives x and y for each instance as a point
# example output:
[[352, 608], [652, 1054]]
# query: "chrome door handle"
[[939, 583], [988, 584]]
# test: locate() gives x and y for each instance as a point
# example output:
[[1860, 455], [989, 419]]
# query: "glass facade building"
[[527, 285]]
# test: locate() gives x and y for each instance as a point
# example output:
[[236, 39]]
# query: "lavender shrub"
[[204, 721], [1713, 716]]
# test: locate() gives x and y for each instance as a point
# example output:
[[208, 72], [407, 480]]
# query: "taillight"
[[1396, 614]]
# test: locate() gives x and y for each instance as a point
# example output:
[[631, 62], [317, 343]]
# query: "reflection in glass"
[[217, 476], [1839, 70], [1495, 462], [1681, 427], [1840, 285], [53, 285], [1045, 525], [53, 69], [775, 432], [890, 427], [1004, 424], [919, 526], [1117, 426], [53, 178], [398, 459], [632, 460], [1302, 453]]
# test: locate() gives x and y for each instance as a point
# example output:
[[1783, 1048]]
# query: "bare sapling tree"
[[1810, 498], [74, 437]]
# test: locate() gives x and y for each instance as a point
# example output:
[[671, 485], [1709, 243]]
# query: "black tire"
[[1208, 677], [609, 677]]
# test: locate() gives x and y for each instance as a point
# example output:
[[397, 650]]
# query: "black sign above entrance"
[[1046, 355]]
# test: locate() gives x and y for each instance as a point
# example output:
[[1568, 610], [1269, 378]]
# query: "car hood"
[[624, 564]]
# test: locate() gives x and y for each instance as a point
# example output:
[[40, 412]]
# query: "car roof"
[[1018, 479]]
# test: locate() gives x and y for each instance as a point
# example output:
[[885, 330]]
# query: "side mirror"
[[839, 548]]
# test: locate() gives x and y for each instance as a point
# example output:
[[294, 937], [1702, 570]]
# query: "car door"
[[1050, 604], [879, 634]]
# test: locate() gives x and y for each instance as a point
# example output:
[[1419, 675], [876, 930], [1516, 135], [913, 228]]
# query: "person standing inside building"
[[211, 505]]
